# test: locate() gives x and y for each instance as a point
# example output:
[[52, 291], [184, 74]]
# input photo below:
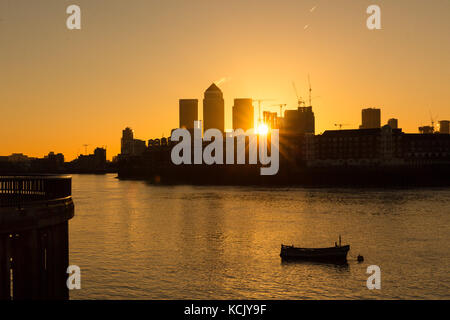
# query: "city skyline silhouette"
[[66, 88], [225, 158]]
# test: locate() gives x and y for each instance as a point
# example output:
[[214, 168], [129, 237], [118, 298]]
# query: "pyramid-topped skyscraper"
[[213, 109]]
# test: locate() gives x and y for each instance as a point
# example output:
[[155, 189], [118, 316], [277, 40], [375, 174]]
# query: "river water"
[[133, 240]]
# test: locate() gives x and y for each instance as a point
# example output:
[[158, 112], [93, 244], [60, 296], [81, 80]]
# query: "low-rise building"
[[376, 147]]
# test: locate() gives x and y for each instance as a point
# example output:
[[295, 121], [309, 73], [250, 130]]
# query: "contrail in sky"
[[222, 80]]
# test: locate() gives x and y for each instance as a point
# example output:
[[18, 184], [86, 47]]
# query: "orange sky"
[[133, 60]]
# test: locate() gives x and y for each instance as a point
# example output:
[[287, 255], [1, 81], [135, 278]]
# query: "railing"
[[18, 190]]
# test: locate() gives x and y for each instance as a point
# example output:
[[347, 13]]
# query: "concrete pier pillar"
[[34, 239]]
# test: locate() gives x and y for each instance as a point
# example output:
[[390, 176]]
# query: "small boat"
[[338, 253]]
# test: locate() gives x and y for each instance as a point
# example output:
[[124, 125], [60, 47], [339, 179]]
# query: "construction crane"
[[85, 148], [340, 125], [259, 107], [433, 120], [282, 105], [300, 101]]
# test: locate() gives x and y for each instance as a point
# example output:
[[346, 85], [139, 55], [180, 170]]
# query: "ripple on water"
[[133, 240]]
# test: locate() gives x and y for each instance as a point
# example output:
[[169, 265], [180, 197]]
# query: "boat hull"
[[332, 254]]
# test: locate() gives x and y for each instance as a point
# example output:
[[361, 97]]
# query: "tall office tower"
[[213, 109], [371, 118], [243, 114], [393, 123], [188, 113], [127, 143], [306, 120], [444, 126]]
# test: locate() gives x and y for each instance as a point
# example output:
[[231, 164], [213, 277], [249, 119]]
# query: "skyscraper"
[[243, 114], [188, 113], [371, 118], [127, 141], [129, 145], [213, 109]]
